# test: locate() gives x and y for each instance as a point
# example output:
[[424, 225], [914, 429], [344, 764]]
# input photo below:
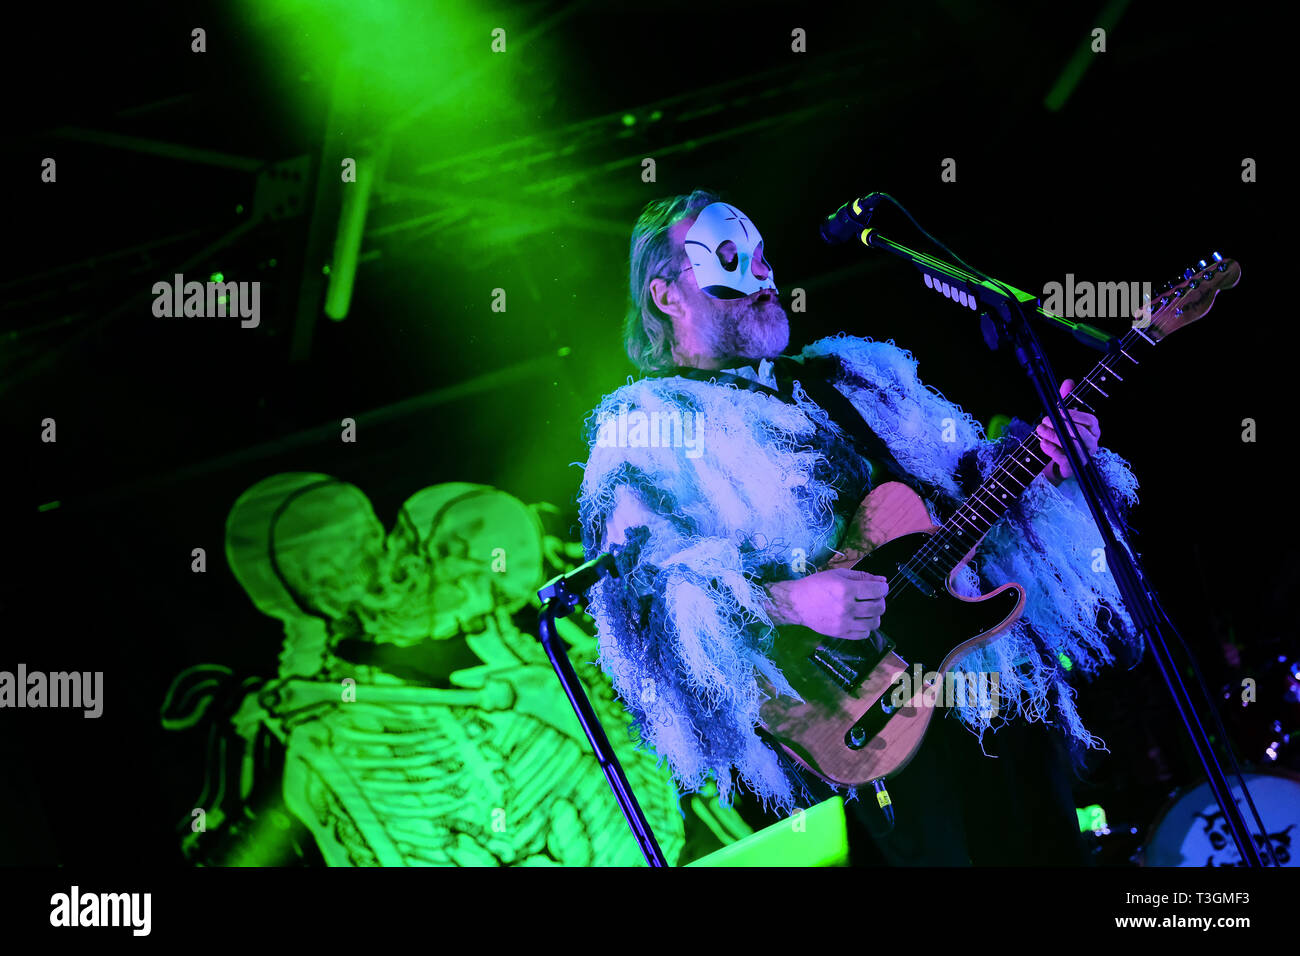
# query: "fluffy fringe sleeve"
[[684, 630], [681, 636], [1074, 619]]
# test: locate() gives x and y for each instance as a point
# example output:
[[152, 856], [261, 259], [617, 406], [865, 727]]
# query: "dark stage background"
[[522, 171]]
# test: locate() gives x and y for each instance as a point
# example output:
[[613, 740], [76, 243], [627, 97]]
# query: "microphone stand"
[[559, 598], [1005, 320]]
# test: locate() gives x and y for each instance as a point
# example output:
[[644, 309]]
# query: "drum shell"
[[1191, 830]]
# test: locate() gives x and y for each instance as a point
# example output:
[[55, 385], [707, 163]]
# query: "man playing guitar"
[[728, 476]]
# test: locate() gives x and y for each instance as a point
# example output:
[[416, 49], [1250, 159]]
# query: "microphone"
[[846, 223]]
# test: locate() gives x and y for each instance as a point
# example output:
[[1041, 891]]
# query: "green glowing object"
[[347, 241], [1082, 57], [814, 837], [1092, 819], [629, 119], [216, 277], [1065, 661], [48, 506]]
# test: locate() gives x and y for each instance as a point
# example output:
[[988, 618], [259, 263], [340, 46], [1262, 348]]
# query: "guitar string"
[[1026, 448], [951, 531]]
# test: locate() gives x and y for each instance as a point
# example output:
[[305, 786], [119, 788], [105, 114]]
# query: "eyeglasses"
[[671, 278]]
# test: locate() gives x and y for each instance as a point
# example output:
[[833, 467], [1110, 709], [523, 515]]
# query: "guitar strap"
[[814, 376]]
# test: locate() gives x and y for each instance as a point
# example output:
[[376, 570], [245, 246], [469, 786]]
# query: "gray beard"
[[746, 333]]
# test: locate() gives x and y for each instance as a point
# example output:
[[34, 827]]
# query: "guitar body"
[[840, 730]]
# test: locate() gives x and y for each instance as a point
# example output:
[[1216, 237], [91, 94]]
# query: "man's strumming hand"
[[837, 603]]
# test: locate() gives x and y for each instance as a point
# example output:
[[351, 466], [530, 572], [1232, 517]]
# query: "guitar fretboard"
[[946, 548]]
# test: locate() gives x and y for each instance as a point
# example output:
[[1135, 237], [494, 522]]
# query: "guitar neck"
[[1016, 471]]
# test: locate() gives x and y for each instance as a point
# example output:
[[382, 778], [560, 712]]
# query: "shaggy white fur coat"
[[701, 525]]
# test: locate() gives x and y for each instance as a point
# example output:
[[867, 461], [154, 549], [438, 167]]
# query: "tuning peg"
[[1201, 264], [1188, 273], [1216, 257]]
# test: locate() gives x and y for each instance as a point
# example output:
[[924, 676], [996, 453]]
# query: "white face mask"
[[724, 248]]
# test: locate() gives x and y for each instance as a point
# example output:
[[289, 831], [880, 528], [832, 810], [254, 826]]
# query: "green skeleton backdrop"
[[417, 723]]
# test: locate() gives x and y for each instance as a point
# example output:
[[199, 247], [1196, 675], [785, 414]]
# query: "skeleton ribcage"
[[434, 785]]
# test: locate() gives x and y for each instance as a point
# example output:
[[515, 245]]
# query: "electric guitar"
[[857, 721]]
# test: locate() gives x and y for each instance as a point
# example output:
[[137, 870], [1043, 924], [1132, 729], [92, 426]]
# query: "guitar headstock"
[[1183, 303]]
